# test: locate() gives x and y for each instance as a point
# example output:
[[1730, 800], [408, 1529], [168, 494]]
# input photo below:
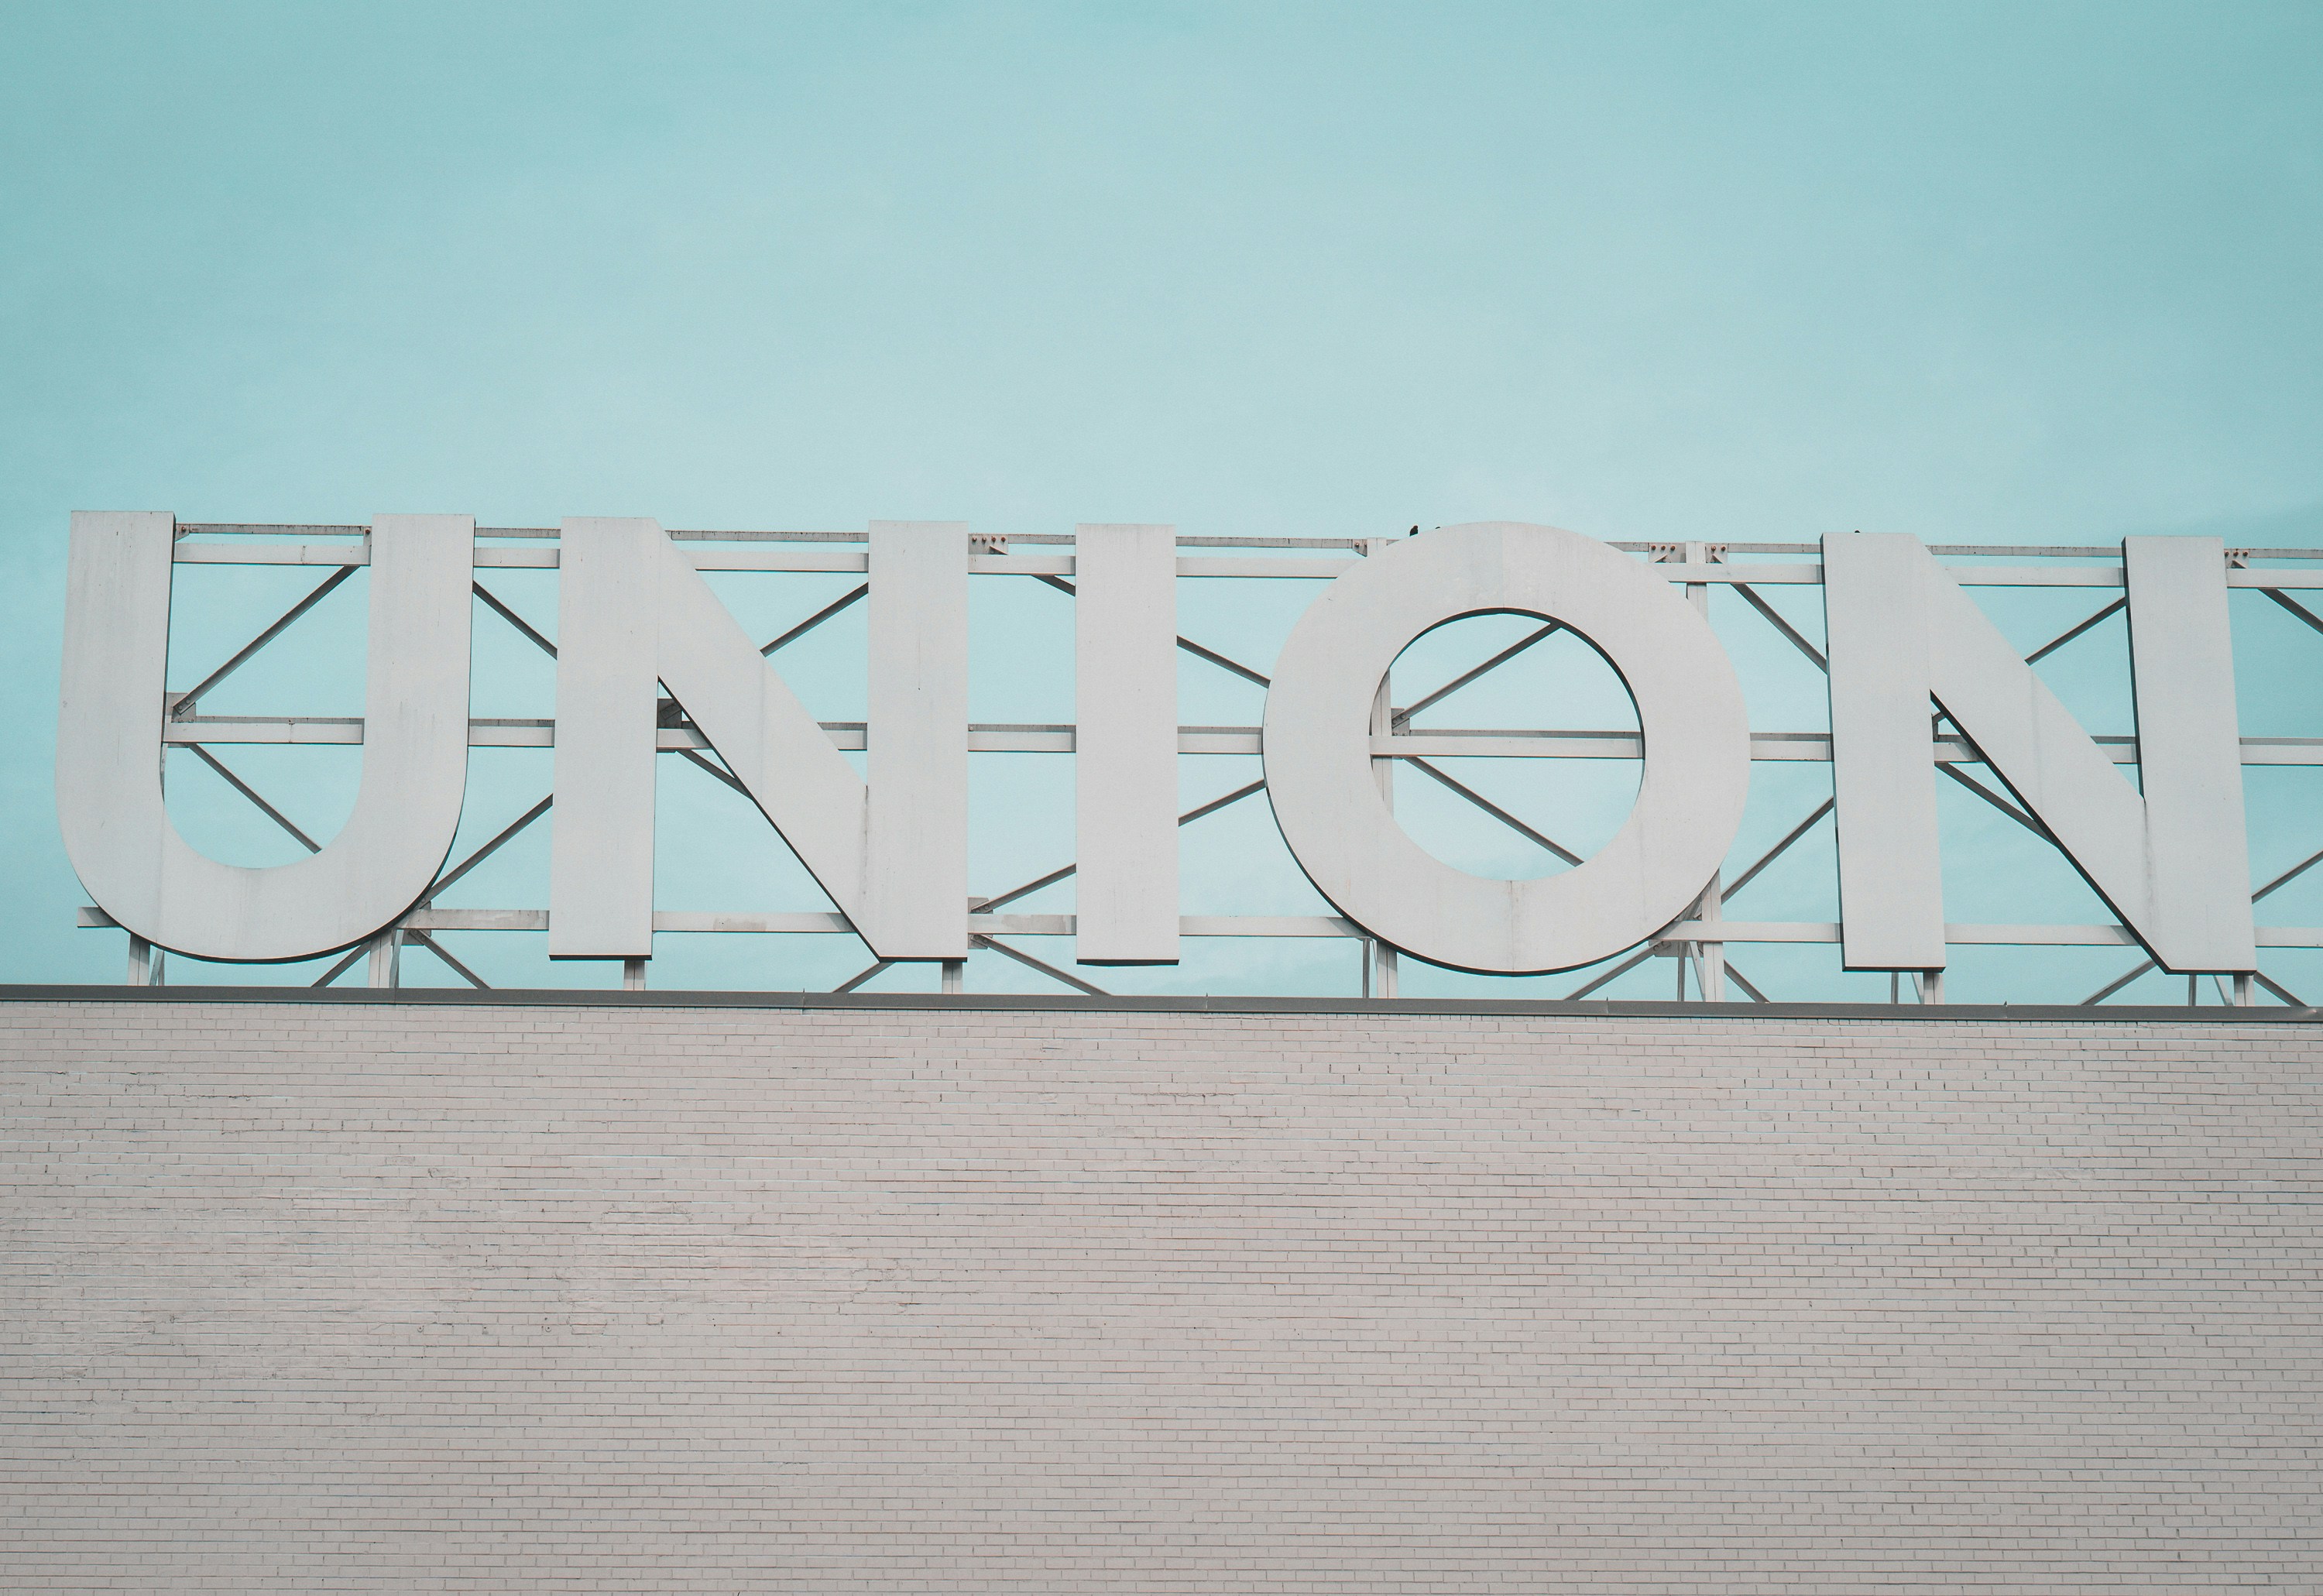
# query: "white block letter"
[[2172, 863], [892, 855], [117, 830], [1319, 750], [1126, 744]]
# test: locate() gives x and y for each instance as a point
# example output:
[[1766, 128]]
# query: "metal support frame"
[[1380, 971], [1710, 956], [386, 960], [1700, 941]]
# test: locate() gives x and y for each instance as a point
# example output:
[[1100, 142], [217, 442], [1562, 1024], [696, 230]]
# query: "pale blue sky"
[[1977, 273]]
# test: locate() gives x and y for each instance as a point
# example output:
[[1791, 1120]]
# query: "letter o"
[[1318, 750]]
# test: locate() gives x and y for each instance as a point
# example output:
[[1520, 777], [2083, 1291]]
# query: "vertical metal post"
[[955, 974], [1709, 958], [1379, 958], [2193, 991], [633, 975], [2243, 994], [1382, 981], [145, 959], [1931, 987], [1712, 970], [386, 951]]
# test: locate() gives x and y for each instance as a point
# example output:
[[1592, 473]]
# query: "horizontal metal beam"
[[826, 923], [1005, 738], [736, 556], [2013, 551]]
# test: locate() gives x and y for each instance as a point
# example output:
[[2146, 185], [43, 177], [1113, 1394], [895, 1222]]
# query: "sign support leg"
[[1379, 958], [386, 950]]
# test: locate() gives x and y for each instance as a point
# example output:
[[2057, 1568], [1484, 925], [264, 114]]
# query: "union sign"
[[636, 620]]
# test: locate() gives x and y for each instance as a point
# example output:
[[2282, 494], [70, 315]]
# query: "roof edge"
[[554, 997]]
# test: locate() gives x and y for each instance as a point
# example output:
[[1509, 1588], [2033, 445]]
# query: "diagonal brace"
[[183, 704], [244, 788], [513, 618], [440, 951], [1053, 877], [2061, 639], [344, 965], [978, 939], [2295, 607], [1998, 803], [1188, 644], [2288, 877], [1622, 968], [1741, 980], [860, 977], [1402, 718], [1775, 852], [1498, 813], [817, 618], [1750, 597], [444, 882], [2110, 987]]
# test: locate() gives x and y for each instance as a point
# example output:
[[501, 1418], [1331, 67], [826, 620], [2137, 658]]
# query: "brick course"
[[547, 1297]]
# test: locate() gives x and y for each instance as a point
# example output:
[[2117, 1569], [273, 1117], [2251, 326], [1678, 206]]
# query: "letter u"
[[117, 830]]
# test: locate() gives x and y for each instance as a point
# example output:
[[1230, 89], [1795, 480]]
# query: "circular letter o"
[[1318, 750]]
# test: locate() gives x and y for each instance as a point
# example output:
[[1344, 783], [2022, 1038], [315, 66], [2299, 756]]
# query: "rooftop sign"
[[649, 661]]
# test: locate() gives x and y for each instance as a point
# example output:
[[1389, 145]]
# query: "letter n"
[[891, 851], [2171, 861]]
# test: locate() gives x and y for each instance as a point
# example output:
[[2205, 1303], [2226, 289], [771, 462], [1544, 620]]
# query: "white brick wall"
[[316, 1298]]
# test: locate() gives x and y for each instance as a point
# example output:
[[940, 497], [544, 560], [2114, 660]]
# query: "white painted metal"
[[1290, 925], [2176, 838], [386, 948], [601, 871], [1709, 958], [1319, 749], [1380, 973], [2190, 756], [1126, 744], [1890, 881], [1435, 742], [2172, 863], [915, 876], [117, 829], [724, 557], [892, 855]]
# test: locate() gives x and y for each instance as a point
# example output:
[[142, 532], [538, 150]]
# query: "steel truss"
[[1698, 943]]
